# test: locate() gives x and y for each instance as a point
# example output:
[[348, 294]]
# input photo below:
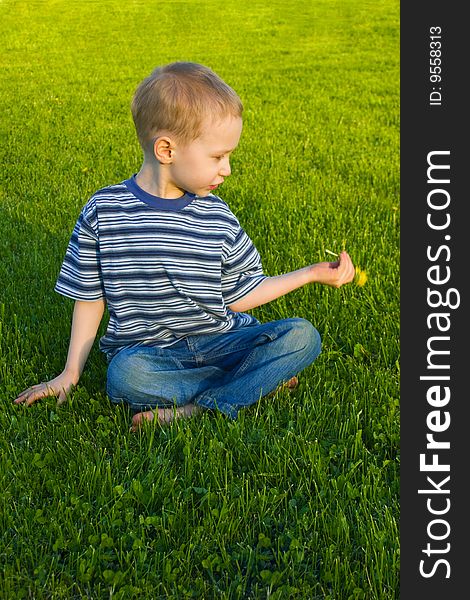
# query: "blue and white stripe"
[[167, 268]]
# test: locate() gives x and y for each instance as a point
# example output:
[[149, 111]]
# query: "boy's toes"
[[292, 383], [139, 418], [290, 386]]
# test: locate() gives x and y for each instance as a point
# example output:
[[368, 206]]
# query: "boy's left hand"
[[336, 273]]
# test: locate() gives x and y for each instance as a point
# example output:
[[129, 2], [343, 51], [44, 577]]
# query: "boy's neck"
[[152, 179]]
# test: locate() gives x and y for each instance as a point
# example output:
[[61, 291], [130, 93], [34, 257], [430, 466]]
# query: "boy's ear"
[[163, 150]]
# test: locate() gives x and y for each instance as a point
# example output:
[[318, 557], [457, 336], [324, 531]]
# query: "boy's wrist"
[[73, 375], [310, 275]]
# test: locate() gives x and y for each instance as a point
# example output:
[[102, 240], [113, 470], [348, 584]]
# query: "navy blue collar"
[[155, 201]]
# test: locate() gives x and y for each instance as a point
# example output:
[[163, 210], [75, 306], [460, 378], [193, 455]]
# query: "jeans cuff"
[[224, 407]]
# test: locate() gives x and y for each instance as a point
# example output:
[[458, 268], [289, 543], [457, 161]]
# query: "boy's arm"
[[334, 274], [85, 322]]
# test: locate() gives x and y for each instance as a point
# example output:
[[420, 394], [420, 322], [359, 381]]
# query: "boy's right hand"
[[85, 322], [59, 387]]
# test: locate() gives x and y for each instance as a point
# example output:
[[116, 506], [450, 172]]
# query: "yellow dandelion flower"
[[361, 277]]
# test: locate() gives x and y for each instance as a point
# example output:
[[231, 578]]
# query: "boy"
[[177, 271]]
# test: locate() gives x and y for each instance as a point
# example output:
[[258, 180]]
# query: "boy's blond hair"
[[177, 98]]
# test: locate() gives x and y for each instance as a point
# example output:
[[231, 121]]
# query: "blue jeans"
[[222, 371]]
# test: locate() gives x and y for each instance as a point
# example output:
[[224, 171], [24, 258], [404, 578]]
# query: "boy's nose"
[[225, 169]]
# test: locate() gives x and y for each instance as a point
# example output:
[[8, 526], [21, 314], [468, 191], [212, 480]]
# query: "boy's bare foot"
[[287, 385], [164, 415], [291, 384], [167, 415]]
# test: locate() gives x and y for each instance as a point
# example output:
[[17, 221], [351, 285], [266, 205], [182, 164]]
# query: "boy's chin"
[[205, 191]]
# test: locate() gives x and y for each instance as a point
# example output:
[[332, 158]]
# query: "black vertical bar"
[[435, 396]]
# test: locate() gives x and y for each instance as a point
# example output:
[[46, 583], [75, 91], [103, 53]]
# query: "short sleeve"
[[241, 269], [80, 275]]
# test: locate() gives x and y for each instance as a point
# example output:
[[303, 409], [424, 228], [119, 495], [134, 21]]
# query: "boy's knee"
[[123, 376], [306, 337]]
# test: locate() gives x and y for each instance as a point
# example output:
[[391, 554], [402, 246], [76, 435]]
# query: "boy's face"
[[202, 165]]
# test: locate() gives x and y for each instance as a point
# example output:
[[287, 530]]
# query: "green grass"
[[299, 497]]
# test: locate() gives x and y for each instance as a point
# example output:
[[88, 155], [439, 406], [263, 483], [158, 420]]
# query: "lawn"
[[298, 498]]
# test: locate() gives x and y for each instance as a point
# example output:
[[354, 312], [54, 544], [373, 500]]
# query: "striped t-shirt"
[[166, 268]]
